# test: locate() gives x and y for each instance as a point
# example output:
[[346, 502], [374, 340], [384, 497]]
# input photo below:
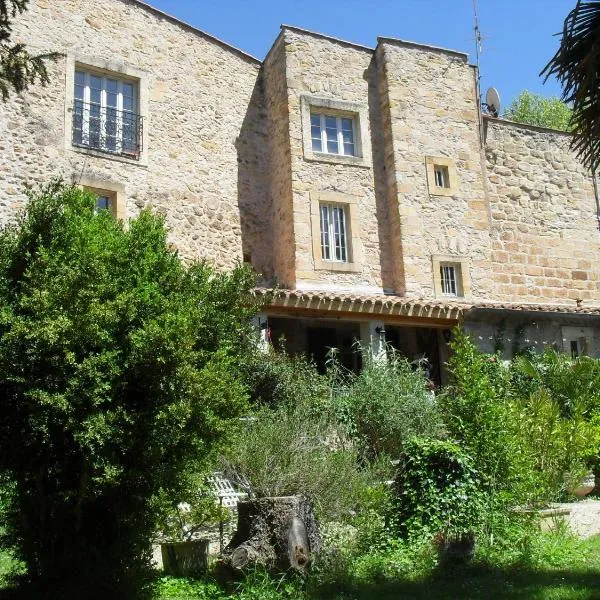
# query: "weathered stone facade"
[[545, 221], [198, 96], [227, 158]]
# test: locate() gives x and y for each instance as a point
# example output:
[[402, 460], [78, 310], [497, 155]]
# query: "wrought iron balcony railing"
[[107, 129]]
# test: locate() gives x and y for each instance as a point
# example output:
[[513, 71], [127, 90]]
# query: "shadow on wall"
[[253, 187], [387, 254]]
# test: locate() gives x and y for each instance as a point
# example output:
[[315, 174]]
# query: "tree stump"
[[277, 533]]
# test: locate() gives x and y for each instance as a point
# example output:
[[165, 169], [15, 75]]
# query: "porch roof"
[[384, 306]]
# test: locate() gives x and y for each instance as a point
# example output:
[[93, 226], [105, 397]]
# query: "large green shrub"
[[116, 372], [386, 404], [531, 426], [438, 490], [557, 402], [294, 449], [278, 378]]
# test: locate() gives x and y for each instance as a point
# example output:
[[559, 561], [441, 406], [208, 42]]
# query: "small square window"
[[334, 234], [331, 134], [107, 199], [450, 279], [105, 114], [441, 176], [103, 203]]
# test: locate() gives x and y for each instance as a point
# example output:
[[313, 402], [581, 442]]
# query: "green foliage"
[[180, 588], [194, 508], [297, 450], [278, 378], [117, 374], [576, 65], [531, 426], [477, 412], [557, 407], [438, 490], [386, 404], [18, 68], [537, 110]]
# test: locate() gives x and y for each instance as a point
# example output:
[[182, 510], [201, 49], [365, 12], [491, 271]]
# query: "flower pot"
[[456, 549], [185, 559], [585, 487]]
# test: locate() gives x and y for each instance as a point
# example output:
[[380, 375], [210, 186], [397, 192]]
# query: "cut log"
[[277, 533]]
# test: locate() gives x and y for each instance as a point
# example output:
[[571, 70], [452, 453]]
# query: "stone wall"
[[280, 170], [429, 103], [321, 69], [513, 333], [545, 229], [200, 100], [228, 161]]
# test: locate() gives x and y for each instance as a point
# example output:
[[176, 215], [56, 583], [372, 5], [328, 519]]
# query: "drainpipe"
[[597, 195]]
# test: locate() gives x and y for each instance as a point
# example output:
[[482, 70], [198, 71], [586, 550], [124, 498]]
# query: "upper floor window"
[[441, 175], [105, 114], [442, 178], [334, 239], [450, 279], [332, 134]]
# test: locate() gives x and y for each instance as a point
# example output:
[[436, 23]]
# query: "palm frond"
[[576, 65]]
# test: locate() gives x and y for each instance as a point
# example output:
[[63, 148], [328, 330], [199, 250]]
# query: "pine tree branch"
[[18, 68]]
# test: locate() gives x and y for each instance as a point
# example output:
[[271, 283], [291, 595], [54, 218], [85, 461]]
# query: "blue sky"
[[518, 34]]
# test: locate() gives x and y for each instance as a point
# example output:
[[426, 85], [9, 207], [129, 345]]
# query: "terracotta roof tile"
[[391, 304]]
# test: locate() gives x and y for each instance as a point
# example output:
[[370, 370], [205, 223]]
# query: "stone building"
[[364, 183]]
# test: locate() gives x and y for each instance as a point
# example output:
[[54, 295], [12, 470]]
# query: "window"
[[103, 203], [332, 134], [450, 279], [335, 232], [109, 196], [441, 175], [334, 243], [105, 114], [442, 179], [577, 340]]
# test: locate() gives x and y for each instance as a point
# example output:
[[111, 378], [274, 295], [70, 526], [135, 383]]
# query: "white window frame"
[[450, 279], [442, 176], [85, 125], [358, 113], [323, 116], [331, 250]]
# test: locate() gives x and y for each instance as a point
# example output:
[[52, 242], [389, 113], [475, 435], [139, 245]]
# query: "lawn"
[[572, 575], [575, 576]]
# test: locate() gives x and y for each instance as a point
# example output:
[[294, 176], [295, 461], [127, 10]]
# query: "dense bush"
[[296, 450], [117, 372], [438, 490], [386, 404], [276, 378], [531, 425], [477, 411], [557, 404]]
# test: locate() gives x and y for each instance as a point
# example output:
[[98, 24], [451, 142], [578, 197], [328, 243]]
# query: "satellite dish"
[[492, 101]]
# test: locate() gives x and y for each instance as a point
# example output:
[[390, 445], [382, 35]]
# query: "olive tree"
[[117, 374]]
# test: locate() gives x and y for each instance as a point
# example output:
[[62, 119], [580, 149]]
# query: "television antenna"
[[478, 36]]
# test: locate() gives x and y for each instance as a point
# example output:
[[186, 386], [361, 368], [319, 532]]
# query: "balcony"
[[107, 129]]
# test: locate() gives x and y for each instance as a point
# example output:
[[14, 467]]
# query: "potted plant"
[[184, 542]]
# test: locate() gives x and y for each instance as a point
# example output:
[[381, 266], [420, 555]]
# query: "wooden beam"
[[289, 312]]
